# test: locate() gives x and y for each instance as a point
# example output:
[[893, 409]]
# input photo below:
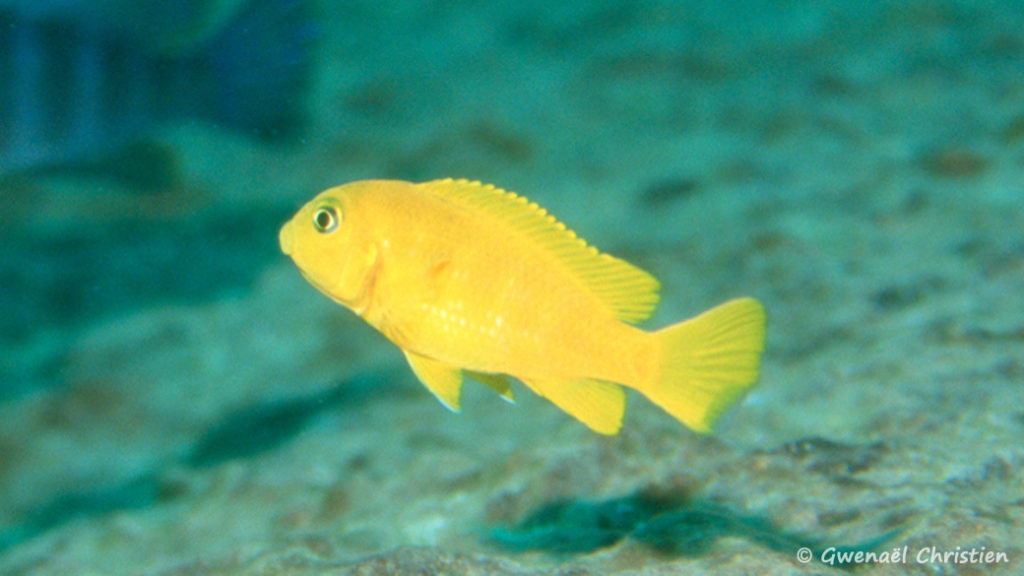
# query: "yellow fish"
[[466, 277]]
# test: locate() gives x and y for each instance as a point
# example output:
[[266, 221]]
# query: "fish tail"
[[708, 362]]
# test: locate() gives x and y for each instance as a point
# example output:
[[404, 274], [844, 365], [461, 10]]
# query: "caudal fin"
[[708, 362]]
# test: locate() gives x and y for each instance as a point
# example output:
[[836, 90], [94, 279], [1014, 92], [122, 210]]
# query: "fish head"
[[331, 247]]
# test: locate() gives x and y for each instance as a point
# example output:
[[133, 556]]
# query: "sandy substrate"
[[860, 170]]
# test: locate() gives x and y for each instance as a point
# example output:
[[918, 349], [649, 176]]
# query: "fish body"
[[465, 277]]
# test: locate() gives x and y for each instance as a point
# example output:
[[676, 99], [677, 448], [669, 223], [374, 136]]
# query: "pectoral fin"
[[443, 380], [599, 405], [496, 382]]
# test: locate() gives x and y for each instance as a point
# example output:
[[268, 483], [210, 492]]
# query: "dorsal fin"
[[628, 291]]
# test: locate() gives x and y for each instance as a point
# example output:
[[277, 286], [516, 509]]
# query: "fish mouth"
[[286, 237]]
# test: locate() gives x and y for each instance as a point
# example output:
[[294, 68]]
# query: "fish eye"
[[325, 219]]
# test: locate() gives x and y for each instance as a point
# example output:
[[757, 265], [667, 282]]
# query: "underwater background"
[[176, 399]]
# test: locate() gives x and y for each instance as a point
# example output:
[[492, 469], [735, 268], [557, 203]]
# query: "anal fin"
[[599, 405], [497, 382], [443, 380]]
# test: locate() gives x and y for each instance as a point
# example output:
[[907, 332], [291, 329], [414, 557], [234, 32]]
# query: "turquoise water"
[[175, 398]]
